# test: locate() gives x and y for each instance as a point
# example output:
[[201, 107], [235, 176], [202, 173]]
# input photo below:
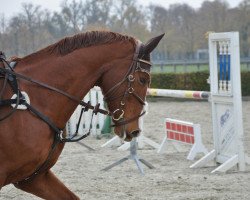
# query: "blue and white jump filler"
[[225, 88]]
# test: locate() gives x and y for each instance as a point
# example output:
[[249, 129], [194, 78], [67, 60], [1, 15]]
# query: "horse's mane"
[[81, 40], [90, 38]]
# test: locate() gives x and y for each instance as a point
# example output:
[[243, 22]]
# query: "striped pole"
[[178, 93]]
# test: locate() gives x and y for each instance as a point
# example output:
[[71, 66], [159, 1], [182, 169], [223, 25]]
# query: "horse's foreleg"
[[47, 186]]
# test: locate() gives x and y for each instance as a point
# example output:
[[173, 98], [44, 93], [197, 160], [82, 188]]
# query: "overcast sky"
[[11, 7]]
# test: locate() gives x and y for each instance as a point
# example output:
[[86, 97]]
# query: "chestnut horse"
[[54, 80]]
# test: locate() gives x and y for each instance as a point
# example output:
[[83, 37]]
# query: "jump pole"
[[225, 97], [187, 94]]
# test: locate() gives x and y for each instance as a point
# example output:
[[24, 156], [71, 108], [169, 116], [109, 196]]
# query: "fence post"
[[175, 68], [161, 67], [198, 67]]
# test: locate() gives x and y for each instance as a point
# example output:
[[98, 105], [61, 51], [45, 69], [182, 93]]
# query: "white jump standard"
[[225, 94], [133, 156], [133, 146]]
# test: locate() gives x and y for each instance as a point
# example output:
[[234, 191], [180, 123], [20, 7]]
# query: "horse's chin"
[[129, 136], [124, 137]]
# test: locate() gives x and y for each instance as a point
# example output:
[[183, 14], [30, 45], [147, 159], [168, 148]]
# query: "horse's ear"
[[152, 43]]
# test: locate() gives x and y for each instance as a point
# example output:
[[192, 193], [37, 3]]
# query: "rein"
[[73, 98]]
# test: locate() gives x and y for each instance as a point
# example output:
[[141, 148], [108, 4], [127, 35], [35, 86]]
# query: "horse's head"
[[125, 87]]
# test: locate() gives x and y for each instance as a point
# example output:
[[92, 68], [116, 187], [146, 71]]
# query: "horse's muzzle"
[[135, 133]]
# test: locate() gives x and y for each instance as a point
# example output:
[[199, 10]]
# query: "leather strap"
[[105, 112]]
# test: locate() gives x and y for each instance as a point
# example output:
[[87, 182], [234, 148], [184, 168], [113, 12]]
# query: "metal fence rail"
[[184, 66]]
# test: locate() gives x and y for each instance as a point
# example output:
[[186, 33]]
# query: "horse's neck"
[[75, 74]]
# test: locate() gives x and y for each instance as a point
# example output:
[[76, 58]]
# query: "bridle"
[[118, 113]]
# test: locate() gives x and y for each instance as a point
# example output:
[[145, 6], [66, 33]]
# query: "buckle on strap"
[[124, 122], [96, 109], [120, 116], [145, 61], [24, 97]]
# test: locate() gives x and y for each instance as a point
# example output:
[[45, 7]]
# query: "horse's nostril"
[[135, 133]]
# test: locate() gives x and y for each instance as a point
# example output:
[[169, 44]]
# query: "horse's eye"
[[142, 81]]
